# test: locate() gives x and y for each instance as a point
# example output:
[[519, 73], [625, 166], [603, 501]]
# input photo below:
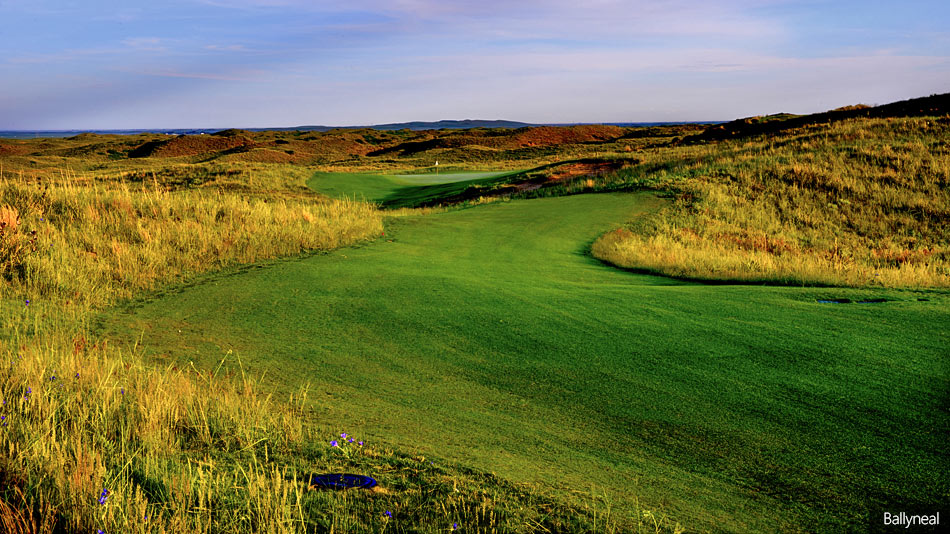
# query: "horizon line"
[[355, 126]]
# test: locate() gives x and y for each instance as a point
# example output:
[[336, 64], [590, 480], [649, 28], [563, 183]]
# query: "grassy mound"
[[861, 203]]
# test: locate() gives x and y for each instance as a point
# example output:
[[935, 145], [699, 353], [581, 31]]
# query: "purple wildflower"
[[334, 444], [27, 302], [343, 435], [103, 496], [351, 440], [361, 443], [455, 526], [387, 513]]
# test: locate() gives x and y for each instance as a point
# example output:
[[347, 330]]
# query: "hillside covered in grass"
[[861, 203]]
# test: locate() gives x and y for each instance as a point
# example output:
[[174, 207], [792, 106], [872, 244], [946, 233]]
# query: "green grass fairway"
[[399, 190], [487, 336]]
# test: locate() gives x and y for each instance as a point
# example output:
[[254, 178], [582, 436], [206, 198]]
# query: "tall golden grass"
[[856, 203], [79, 417], [97, 243]]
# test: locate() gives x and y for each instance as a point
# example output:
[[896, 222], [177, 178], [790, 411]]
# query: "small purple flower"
[[361, 443], [103, 496], [343, 435], [27, 302], [122, 391], [100, 531], [52, 378], [334, 444], [387, 513], [77, 375], [455, 526], [351, 440]]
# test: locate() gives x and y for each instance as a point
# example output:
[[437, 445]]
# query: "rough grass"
[[860, 203], [97, 243]]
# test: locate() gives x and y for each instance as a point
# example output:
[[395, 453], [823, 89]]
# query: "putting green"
[[397, 190], [489, 337]]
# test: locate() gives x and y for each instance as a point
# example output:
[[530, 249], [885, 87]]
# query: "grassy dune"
[[860, 203], [97, 243]]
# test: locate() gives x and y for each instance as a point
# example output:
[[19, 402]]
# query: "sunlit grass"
[[855, 203]]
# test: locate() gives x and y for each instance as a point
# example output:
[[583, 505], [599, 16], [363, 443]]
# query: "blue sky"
[[102, 64]]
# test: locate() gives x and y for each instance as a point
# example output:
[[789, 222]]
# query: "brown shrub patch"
[[559, 135], [192, 145], [575, 170]]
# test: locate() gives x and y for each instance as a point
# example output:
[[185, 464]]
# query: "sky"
[[126, 64]]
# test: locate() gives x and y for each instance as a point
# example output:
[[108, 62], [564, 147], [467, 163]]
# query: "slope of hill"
[[934, 105]]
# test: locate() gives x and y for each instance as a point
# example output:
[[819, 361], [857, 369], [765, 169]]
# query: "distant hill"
[[421, 125]]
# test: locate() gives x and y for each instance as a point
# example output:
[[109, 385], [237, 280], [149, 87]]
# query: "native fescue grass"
[[80, 418], [856, 203], [97, 243], [103, 441]]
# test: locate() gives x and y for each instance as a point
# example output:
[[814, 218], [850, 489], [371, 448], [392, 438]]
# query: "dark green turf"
[[400, 190], [487, 336]]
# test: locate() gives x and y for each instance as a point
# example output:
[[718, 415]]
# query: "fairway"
[[489, 337], [397, 190]]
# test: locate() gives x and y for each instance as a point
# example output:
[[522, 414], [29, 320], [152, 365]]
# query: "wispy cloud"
[[247, 76], [149, 44], [226, 48], [387, 60]]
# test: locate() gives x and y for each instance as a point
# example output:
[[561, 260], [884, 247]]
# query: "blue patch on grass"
[[341, 481]]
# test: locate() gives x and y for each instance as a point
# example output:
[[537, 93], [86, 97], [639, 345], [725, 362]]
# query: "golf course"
[[397, 190], [490, 337], [730, 328]]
